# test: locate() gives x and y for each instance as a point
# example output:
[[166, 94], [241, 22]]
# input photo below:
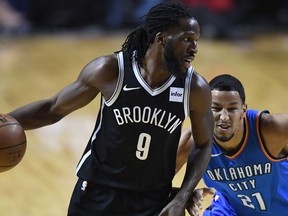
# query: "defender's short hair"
[[226, 82]]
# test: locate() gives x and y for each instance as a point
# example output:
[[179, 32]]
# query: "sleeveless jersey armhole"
[[119, 84], [188, 81], [261, 140]]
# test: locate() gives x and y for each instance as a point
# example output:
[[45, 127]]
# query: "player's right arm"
[[274, 130], [100, 75]]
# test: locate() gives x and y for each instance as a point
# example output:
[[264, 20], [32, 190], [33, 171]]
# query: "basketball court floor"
[[38, 66]]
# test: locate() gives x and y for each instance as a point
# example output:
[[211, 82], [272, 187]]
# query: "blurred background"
[[45, 44], [220, 19]]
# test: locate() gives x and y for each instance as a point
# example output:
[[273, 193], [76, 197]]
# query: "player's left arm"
[[202, 123], [184, 148], [202, 130], [274, 130]]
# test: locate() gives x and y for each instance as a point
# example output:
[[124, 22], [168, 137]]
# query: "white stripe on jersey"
[[188, 81], [87, 154], [119, 81]]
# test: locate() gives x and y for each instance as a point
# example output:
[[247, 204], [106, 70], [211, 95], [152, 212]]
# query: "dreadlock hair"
[[226, 82], [159, 18]]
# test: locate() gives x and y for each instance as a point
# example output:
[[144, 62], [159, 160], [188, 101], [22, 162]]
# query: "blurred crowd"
[[219, 19]]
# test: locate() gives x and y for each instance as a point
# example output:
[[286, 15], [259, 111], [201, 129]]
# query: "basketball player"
[[147, 90], [249, 160]]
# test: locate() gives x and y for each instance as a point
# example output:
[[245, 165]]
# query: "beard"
[[171, 62]]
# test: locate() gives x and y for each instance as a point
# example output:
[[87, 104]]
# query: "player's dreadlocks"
[[160, 18]]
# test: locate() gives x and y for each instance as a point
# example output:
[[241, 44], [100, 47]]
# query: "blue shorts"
[[219, 207]]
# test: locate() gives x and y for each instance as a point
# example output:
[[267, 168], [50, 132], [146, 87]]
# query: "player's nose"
[[224, 115]]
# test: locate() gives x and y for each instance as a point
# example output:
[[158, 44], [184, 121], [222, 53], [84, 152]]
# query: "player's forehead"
[[186, 26], [225, 98]]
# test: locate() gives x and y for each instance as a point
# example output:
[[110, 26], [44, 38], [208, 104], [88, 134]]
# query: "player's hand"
[[174, 208], [196, 199]]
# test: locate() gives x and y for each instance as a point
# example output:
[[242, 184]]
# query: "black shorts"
[[89, 199]]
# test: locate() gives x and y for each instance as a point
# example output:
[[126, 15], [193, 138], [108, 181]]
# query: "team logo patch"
[[176, 94], [84, 185]]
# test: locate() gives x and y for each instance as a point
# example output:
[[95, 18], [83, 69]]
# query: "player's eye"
[[215, 109], [232, 109], [188, 40]]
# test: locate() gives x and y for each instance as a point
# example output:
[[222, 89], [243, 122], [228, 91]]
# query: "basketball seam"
[[10, 124], [14, 145]]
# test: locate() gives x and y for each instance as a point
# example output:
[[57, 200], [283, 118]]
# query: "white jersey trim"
[[188, 82], [87, 154], [145, 85], [119, 84], [83, 160]]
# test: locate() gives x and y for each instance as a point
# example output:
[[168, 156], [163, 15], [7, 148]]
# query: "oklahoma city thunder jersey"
[[253, 182], [135, 140]]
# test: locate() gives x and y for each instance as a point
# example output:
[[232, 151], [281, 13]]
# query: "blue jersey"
[[251, 180]]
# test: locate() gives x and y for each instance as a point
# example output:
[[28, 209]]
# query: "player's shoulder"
[[100, 72], [200, 93], [198, 81], [200, 86], [274, 133], [275, 123], [103, 66], [103, 63]]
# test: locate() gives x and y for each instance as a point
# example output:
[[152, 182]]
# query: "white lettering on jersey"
[[234, 173], [147, 115]]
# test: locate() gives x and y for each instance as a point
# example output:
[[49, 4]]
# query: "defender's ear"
[[244, 107], [161, 38]]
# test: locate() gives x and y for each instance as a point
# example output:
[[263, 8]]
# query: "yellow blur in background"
[[37, 67]]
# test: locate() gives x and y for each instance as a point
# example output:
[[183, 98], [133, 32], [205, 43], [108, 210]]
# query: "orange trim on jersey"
[[244, 142], [262, 143]]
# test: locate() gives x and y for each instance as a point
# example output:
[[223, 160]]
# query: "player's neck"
[[154, 75]]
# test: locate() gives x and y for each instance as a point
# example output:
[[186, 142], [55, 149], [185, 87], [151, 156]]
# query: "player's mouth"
[[188, 61], [224, 127]]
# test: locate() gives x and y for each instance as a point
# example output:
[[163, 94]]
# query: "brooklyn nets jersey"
[[253, 182], [135, 140]]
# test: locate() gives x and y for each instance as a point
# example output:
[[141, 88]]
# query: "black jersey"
[[135, 140]]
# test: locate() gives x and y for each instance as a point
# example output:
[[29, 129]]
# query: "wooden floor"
[[36, 67]]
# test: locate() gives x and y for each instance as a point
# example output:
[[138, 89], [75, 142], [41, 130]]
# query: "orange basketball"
[[12, 142]]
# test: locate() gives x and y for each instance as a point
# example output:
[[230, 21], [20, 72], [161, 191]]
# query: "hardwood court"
[[36, 67]]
